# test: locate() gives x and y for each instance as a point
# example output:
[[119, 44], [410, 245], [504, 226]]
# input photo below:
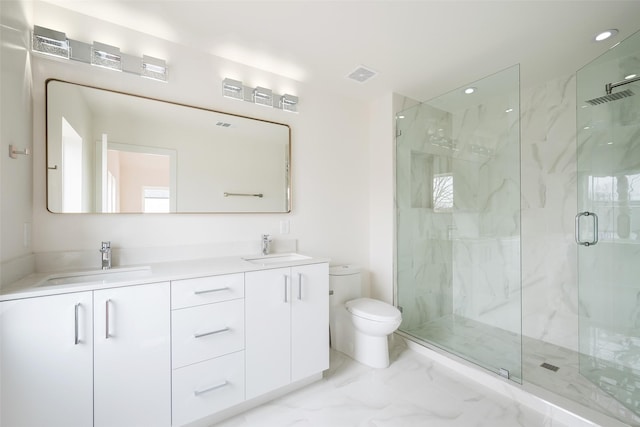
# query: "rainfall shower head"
[[611, 97], [614, 96]]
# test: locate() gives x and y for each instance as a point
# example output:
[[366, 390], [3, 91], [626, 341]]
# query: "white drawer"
[[204, 388], [206, 331], [205, 290]]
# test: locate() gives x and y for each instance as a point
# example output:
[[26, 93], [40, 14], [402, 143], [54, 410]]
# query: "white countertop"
[[33, 284]]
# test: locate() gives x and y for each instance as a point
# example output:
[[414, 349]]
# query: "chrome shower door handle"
[[595, 228]]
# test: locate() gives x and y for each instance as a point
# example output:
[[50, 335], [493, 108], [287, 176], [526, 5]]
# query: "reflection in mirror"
[[109, 152]]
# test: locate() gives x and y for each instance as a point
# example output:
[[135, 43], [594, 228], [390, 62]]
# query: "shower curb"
[[528, 395]]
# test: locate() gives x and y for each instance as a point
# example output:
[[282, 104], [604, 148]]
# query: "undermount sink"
[[97, 276], [275, 258]]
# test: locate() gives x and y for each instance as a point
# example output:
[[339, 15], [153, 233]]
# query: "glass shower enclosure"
[[458, 223], [608, 221]]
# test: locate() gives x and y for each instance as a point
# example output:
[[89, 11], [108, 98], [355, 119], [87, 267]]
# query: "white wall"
[[329, 154], [15, 128]]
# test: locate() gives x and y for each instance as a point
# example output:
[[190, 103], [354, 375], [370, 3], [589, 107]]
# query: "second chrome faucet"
[[105, 252], [265, 244]]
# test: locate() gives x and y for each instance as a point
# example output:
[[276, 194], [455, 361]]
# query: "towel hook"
[[13, 153]]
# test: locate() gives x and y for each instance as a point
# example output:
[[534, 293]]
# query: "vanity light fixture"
[[233, 89], [263, 96], [55, 43], [604, 35], [259, 95], [50, 42], [289, 103]]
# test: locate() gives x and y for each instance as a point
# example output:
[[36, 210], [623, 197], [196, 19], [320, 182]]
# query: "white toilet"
[[359, 326]]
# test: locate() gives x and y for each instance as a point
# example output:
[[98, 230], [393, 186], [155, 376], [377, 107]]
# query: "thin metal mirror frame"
[[289, 175]]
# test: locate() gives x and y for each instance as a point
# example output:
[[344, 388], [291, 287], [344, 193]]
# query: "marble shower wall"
[[424, 263], [548, 206], [549, 202], [458, 198], [486, 213]]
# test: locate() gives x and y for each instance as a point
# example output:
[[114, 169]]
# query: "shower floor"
[[494, 348]]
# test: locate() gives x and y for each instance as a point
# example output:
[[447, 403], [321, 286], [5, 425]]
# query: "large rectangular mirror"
[[110, 152]]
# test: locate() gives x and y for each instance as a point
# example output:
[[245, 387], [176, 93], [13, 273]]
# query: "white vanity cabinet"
[[189, 351], [97, 358], [287, 326], [132, 356], [46, 361]]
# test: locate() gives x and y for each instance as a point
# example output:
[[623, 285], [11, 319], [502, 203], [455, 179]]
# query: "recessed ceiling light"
[[631, 76], [508, 110], [469, 90], [605, 35]]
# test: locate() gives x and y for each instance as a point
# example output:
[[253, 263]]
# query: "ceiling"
[[420, 49]]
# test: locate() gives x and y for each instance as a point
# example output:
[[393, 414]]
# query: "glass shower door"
[[608, 221], [458, 223]]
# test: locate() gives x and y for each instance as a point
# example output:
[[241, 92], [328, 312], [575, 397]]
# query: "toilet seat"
[[372, 309]]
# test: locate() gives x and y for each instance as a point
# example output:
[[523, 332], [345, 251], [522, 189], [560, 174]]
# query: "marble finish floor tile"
[[413, 391]]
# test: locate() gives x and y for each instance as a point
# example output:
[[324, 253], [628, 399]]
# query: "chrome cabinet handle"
[[204, 334], [595, 228], [300, 286], [285, 289], [208, 389], [76, 340], [106, 320], [207, 291]]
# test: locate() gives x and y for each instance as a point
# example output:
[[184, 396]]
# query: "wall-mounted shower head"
[[614, 96], [611, 97]]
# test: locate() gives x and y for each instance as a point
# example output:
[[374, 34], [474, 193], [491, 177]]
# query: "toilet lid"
[[372, 309]]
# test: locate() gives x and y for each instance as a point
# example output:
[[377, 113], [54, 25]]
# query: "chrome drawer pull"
[[211, 333], [207, 291], [285, 288], [77, 334], [106, 320], [206, 390]]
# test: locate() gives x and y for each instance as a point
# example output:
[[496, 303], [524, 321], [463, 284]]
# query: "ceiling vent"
[[361, 74]]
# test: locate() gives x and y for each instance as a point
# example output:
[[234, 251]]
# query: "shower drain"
[[550, 367]]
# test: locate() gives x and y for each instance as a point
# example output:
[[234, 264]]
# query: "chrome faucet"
[[266, 239], [105, 251]]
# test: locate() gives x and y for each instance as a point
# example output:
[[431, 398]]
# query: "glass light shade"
[[263, 96], [106, 56], [289, 103], [232, 89], [154, 68], [50, 42]]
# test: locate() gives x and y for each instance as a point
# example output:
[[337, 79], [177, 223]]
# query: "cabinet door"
[[132, 360], [309, 320], [46, 361], [268, 330]]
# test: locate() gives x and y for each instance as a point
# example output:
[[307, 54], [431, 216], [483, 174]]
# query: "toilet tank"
[[345, 283]]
